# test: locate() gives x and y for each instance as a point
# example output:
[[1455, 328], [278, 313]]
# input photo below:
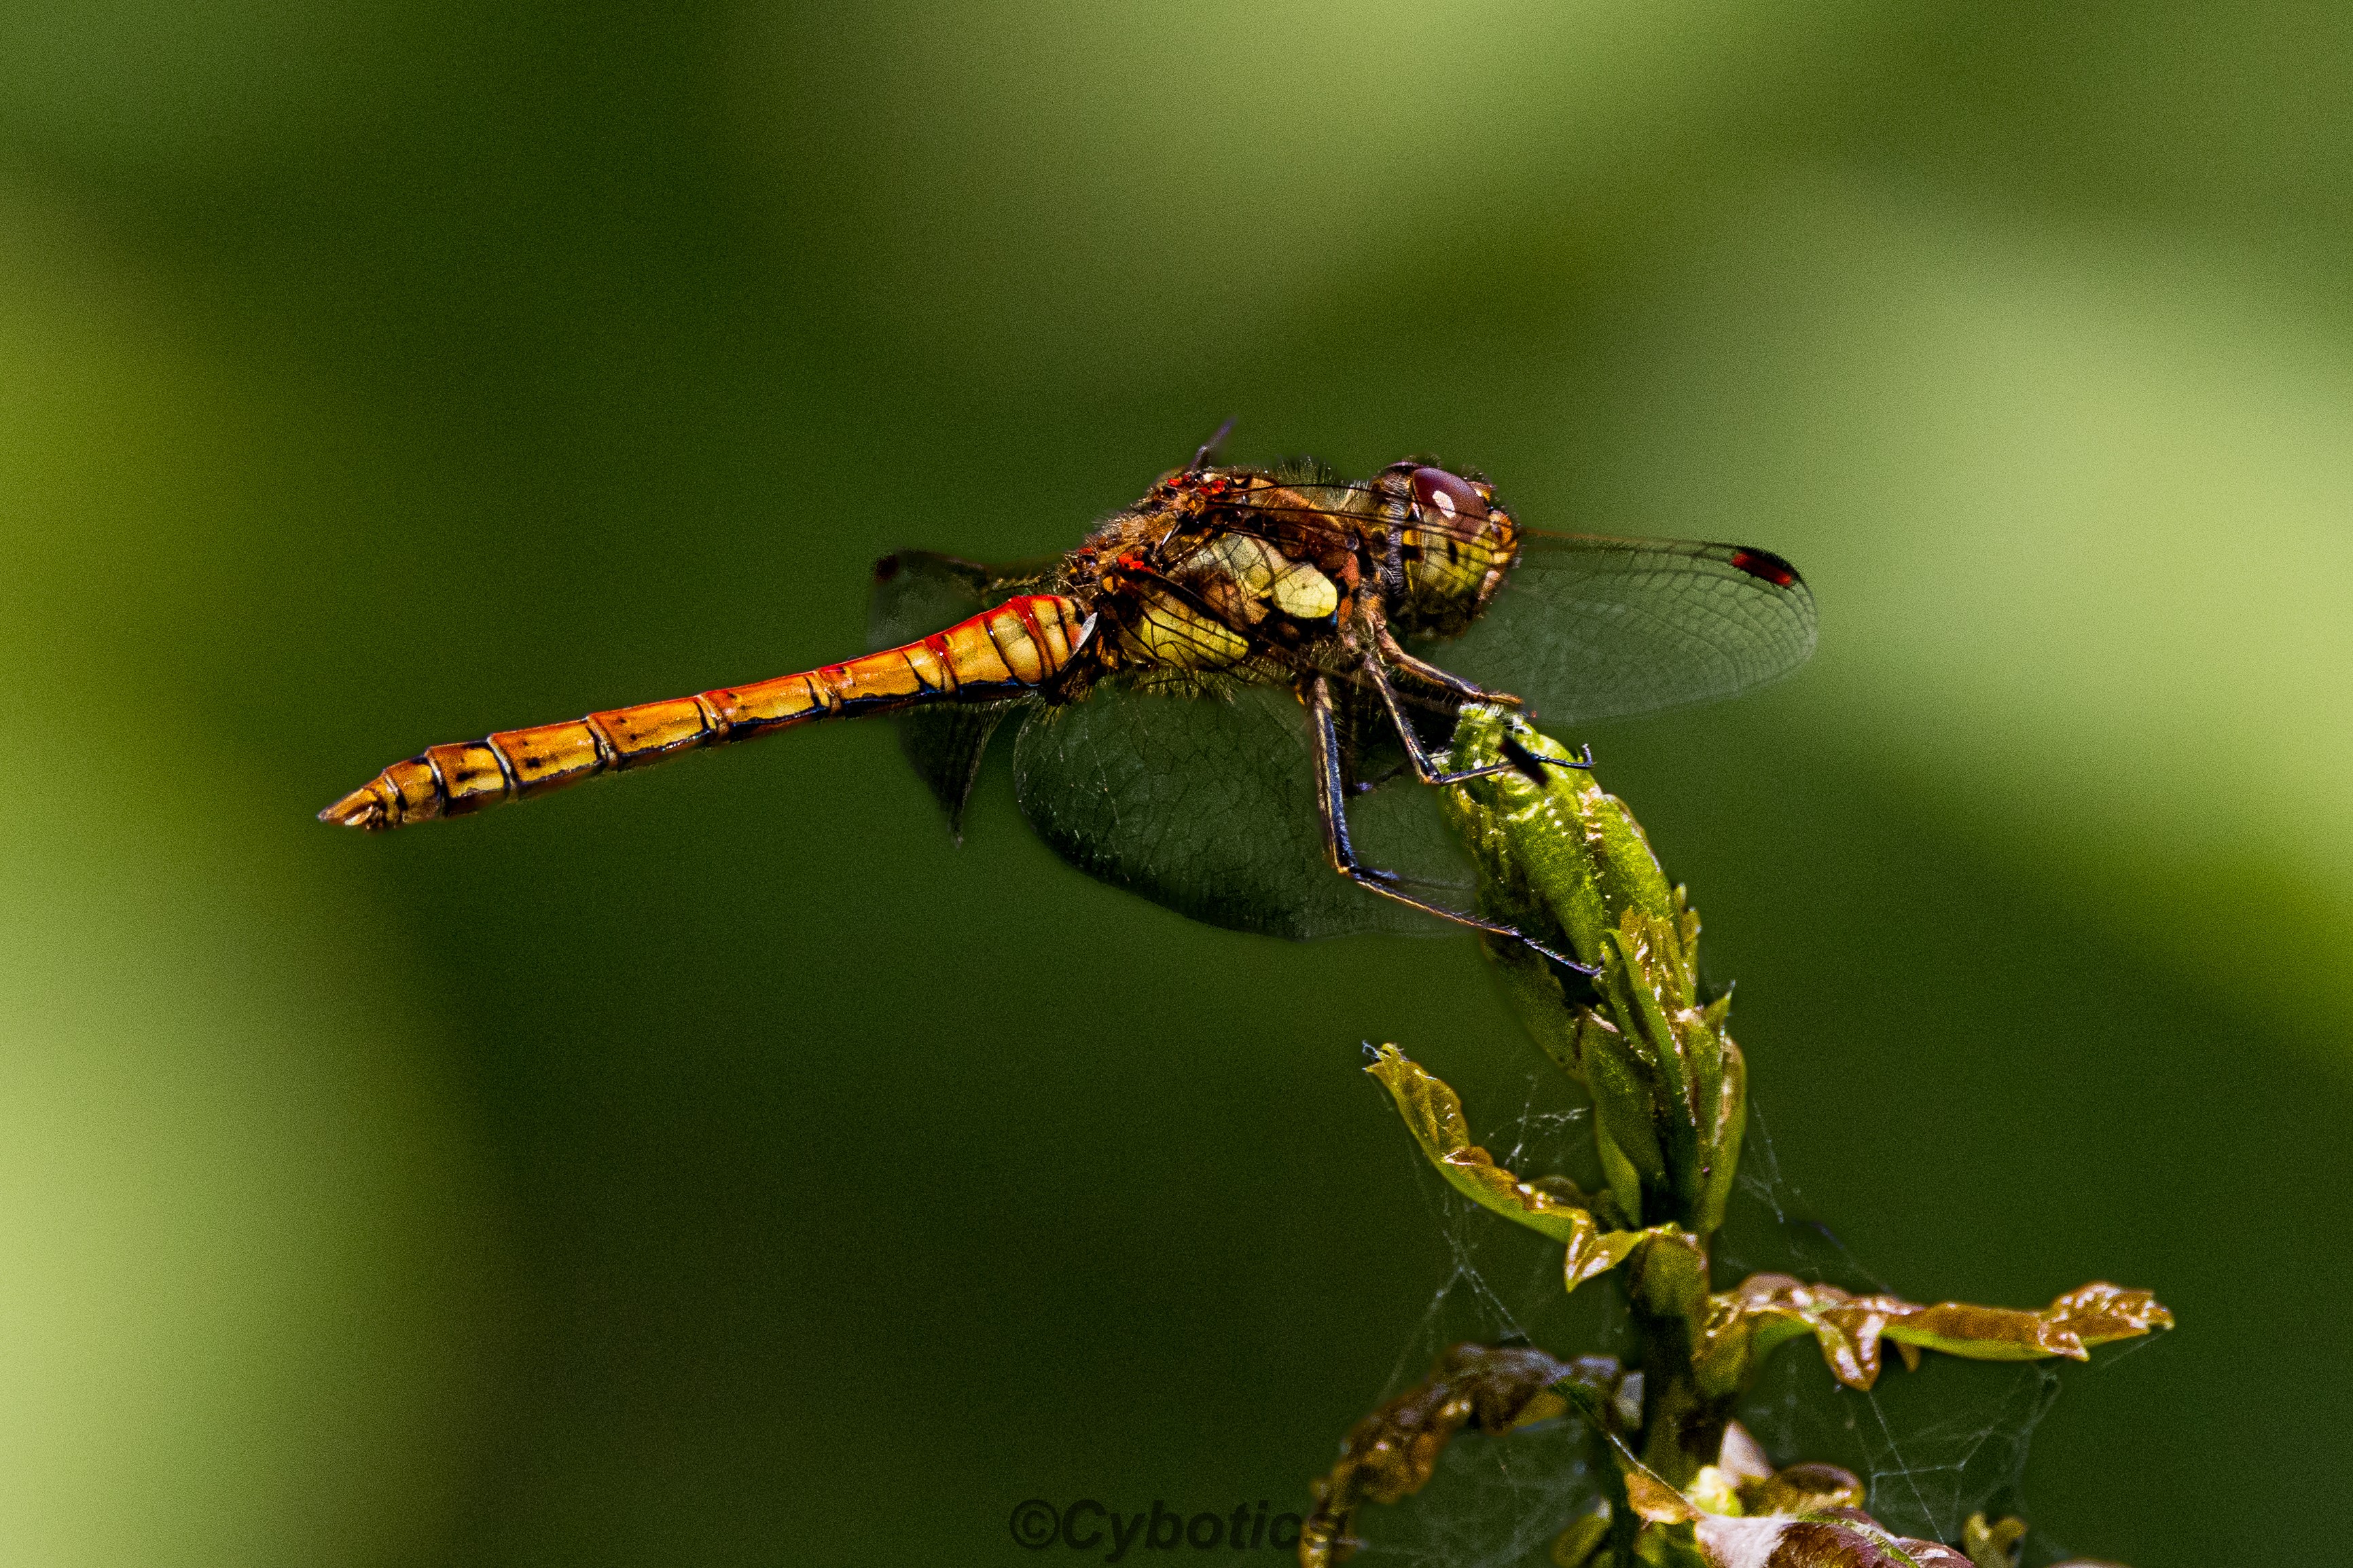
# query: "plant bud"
[[1563, 861]]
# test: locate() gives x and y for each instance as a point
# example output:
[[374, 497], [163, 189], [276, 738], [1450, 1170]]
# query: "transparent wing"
[[1587, 627], [917, 592], [1205, 803]]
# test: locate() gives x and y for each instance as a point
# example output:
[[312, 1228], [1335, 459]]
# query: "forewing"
[[1205, 803], [917, 592], [1589, 627]]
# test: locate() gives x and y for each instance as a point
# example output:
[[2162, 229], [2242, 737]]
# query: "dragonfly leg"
[[1582, 762], [1392, 654], [1426, 769], [1331, 803], [1388, 654]]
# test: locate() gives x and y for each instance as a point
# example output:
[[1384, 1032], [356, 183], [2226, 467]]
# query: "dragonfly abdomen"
[[1015, 647]]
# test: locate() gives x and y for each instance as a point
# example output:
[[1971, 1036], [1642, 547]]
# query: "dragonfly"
[[1221, 694]]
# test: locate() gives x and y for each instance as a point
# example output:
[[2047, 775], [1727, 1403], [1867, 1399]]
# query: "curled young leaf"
[[1834, 1538], [1776, 1307], [1742, 1483], [1797, 1489], [1550, 1205]]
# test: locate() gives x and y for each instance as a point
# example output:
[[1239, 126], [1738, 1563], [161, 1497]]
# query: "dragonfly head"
[[1452, 541]]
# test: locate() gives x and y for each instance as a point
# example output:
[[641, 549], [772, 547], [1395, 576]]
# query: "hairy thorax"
[[1257, 576]]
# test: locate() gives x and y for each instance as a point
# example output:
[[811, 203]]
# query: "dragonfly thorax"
[[1258, 574], [1223, 571]]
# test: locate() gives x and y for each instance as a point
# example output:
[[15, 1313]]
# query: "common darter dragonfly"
[[1213, 690]]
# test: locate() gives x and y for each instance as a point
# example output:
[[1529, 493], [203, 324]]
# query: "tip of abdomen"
[[363, 809]]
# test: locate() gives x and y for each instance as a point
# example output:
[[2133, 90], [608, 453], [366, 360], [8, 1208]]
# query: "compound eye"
[[1443, 496]]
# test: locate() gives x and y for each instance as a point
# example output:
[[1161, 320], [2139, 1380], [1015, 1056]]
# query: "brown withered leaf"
[[1776, 1307], [1550, 1205], [1834, 1538], [1392, 1452]]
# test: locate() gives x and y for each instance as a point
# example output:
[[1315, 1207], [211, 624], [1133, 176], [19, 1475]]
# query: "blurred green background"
[[719, 1166]]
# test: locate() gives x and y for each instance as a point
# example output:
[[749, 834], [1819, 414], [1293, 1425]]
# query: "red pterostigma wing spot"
[[1764, 564]]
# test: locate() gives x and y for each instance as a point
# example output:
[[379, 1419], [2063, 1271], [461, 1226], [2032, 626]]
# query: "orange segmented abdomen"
[[1015, 647]]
